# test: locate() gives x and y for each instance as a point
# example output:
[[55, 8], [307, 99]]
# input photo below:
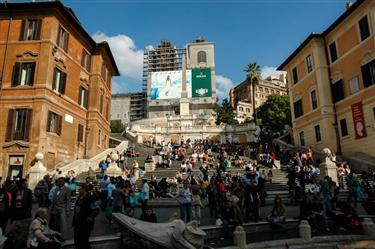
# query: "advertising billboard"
[[201, 79], [168, 84]]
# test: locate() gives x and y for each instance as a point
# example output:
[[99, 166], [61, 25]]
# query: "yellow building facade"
[[331, 79]]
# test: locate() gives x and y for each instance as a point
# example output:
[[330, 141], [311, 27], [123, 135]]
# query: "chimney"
[[349, 4]]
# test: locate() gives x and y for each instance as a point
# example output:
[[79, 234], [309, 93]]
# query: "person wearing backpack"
[[85, 211]]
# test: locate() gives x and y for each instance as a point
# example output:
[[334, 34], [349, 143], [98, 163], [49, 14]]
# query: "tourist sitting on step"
[[278, 215], [148, 215], [319, 218], [345, 217]]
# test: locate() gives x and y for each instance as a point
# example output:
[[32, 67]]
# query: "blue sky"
[[265, 31]]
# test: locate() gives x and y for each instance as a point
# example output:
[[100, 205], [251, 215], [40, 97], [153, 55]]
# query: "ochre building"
[[332, 84], [240, 96], [55, 87]]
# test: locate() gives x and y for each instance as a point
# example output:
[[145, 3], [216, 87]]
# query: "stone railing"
[[83, 165]]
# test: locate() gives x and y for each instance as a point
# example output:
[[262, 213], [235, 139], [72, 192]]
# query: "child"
[[270, 175]]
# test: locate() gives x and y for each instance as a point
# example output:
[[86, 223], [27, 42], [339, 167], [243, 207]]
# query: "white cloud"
[[118, 87], [128, 58], [267, 71], [223, 85]]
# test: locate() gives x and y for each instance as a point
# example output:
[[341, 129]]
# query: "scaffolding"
[[163, 57]]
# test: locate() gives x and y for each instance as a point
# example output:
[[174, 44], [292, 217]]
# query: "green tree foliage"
[[275, 114], [117, 126], [225, 114], [253, 72]]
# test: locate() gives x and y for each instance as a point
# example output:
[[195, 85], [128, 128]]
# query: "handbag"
[[196, 200], [141, 196]]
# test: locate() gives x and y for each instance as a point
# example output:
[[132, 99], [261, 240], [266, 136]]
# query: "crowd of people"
[[204, 180]]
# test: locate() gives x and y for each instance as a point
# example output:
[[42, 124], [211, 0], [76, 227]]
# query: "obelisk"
[[184, 101]]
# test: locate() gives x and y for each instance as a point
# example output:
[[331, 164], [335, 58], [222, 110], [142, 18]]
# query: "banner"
[[358, 121], [168, 84], [201, 79]]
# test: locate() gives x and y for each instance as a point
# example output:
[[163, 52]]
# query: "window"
[[247, 109], [364, 28], [107, 109], [103, 71], [59, 81], [54, 123], [353, 85], [83, 97], [272, 91], [333, 51], [298, 108], [105, 141], [344, 128], [373, 111], [368, 74], [318, 137], [337, 91], [295, 75], [302, 138], [309, 63], [314, 101], [30, 29], [80, 133], [241, 109], [23, 74], [99, 135], [62, 39], [261, 89], [19, 124], [267, 90], [109, 79], [101, 101], [86, 60], [202, 57]]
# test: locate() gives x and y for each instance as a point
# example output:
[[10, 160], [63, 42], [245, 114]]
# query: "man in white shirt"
[[145, 192]]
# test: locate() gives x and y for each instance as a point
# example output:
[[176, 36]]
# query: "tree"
[[117, 126], [225, 114], [274, 115], [253, 76]]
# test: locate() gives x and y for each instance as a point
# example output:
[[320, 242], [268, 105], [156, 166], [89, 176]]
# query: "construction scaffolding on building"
[[163, 57]]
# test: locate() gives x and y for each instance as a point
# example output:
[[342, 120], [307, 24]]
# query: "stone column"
[[239, 237], [304, 230], [113, 169], [369, 227], [37, 172]]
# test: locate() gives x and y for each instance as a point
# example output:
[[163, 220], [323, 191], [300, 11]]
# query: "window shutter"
[[22, 31], [58, 36], [27, 127], [54, 79], [32, 73], [80, 133], [38, 29], [49, 121], [59, 125], [10, 125], [87, 99], [66, 41], [63, 83], [366, 77], [83, 58], [80, 95], [16, 73], [89, 63]]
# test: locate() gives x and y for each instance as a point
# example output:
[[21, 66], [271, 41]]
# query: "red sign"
[[358, 121]]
